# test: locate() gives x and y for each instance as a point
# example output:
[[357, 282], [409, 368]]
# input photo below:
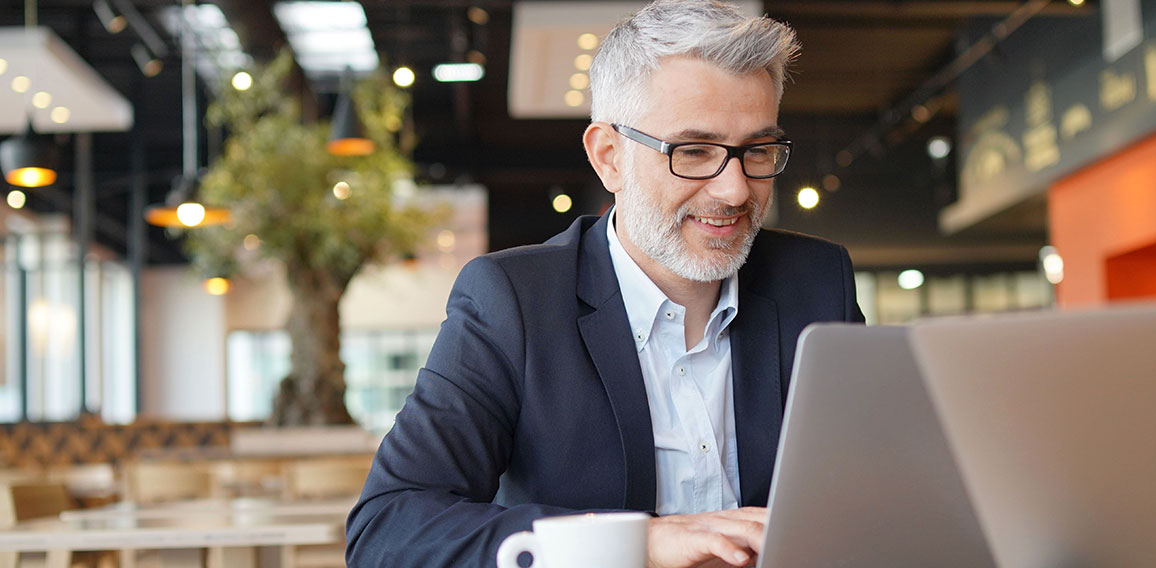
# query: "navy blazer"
[[532, 402]]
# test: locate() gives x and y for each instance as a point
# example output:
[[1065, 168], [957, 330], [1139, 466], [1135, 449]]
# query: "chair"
[[319, 478], [162, 481], [27, 500], [247, 478], [147, 482]]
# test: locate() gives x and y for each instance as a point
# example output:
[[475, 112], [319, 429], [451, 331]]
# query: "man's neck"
[[699, 298]]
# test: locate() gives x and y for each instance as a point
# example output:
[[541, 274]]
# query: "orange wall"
[[1102, 221]]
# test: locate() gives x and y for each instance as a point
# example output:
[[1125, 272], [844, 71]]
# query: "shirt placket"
[[697, 426]]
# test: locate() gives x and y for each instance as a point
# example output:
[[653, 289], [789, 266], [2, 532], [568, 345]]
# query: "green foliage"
[[276, 179]]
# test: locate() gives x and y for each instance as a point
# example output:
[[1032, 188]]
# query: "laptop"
[[1052, 419], [864, 477]]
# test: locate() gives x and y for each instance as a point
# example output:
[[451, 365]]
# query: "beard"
[[660, 236]]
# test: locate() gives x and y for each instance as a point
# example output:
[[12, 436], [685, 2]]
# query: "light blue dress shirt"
[[689, 391]]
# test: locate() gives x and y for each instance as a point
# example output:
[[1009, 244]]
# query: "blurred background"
[[974, 156]]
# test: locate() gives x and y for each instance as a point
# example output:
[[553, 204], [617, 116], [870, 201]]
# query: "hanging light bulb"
[[28, 160]]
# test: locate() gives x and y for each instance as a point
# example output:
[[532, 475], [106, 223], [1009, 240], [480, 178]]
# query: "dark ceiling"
[[864, 64]]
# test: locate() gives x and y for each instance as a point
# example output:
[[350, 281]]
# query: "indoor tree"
[[322, 216]]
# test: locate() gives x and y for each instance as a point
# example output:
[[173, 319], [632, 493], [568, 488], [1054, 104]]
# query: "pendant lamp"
[[29, 159], [347, 135], [180, 209]]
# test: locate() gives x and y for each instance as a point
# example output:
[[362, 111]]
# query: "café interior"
[[975, 157]]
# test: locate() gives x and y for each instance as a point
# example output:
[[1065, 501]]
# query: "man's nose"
[[731, 185]]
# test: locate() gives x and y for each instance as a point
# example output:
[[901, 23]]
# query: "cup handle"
[[514, 546]]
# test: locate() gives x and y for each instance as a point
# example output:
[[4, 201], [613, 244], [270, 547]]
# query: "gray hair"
[[706, 29]]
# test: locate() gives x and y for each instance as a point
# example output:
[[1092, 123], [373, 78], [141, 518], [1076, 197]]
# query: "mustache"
[[717, 209]]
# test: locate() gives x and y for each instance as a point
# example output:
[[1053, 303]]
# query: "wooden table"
[[233, 530]]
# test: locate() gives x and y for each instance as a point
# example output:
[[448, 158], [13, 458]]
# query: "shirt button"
[[705, 447], [638, 335], [682, 371], [721, 335], [669, 315]]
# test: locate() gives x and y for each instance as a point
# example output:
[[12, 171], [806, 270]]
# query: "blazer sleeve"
[[427, 500]]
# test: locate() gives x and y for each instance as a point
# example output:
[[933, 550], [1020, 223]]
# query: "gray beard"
[[661, 237]]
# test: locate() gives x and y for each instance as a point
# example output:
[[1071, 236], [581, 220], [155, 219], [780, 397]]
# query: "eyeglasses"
[[704, 160]]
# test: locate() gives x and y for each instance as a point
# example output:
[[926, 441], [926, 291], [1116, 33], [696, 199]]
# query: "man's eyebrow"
[[694, 134], [770, 132]]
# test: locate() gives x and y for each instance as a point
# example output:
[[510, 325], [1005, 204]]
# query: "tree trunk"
[[314, 391]]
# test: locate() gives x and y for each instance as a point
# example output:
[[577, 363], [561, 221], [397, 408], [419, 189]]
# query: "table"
[[334, 506], [234, 529]]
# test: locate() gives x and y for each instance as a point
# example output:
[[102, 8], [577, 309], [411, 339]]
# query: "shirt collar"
[[643, 299]]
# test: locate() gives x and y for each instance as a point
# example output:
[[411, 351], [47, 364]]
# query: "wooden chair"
[[319, 478], [28, 500], [148, 482], [247, 478], [162, 481]]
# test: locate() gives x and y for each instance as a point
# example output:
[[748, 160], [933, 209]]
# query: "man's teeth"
[[716, 222]]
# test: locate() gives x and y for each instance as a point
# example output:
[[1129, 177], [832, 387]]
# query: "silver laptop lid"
[[863, 476], [1052, 418]]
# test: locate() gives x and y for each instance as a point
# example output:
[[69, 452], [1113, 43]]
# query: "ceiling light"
[[579, 81], [1052, 263], [346, 135], [341, 190], [475, 56], [3, 66], [574, 98], [188, 214], [328, 37], [42, 99], [113, 23], [910, 279], [17, 199], [478, 15], [455, 72], [562, 203], [60, 115], [28, 160], [583, 61], [587, 41], [180, 210], [939, 147], [446, 240], [149, 64], [1076, 2], [403, 76], [217, 286], [21, 84], [242, 81], [808, 198], [219, 47]]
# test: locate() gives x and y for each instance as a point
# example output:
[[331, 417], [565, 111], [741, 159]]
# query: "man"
[[637, 360]]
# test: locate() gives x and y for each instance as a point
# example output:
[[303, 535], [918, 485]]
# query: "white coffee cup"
[[604, 540]]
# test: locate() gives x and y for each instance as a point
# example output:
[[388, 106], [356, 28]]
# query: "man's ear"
[[604, 151]]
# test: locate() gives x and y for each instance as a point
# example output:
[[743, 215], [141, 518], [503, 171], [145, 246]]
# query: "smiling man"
[[638, 360]]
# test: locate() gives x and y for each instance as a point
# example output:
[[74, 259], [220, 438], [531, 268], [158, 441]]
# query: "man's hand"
[[722, 538]]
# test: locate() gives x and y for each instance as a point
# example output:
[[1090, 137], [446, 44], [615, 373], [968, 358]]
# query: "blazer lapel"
[[757, 393], [606, 332]]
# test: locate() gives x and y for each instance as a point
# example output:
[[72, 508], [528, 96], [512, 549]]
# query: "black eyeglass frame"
[[668, 148]]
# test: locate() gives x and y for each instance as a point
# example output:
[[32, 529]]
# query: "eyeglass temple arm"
[[642, 138]]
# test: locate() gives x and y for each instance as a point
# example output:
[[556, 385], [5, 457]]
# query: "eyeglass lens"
[[707, 160]]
